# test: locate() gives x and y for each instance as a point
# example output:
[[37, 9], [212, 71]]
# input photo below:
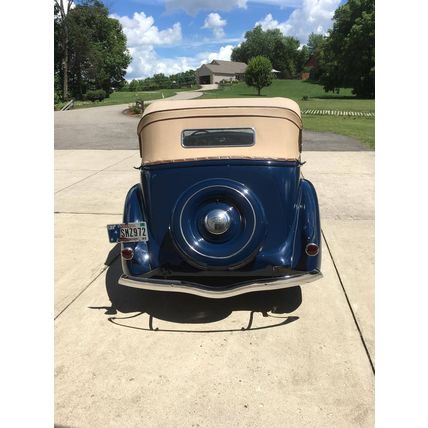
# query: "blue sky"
[[169, 36]]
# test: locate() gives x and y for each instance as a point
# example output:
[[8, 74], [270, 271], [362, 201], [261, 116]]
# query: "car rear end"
[[225, 211]]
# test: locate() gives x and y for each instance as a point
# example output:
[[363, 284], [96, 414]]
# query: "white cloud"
[[280, 3], [215, 23], [268, 23], [223, 54], [140, 30], [192, 7], [143, 36], [147, 62], [313, 16]]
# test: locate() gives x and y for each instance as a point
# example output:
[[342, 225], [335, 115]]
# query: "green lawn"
[[360, 128], [294, 89], [126, 98]]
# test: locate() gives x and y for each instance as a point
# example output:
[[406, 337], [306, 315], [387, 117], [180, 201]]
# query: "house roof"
[[226, 67]]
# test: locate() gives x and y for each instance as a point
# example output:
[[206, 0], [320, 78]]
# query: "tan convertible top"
[[276, 122]]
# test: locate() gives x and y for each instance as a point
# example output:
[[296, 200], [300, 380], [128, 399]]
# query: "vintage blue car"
[[221, 208]]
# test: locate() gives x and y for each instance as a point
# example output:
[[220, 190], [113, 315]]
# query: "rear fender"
[[134, 212], [308, 229]]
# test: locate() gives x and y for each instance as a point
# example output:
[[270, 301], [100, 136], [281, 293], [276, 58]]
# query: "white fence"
[[318, 112]]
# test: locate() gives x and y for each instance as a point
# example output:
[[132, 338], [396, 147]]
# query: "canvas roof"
[[276, 122]]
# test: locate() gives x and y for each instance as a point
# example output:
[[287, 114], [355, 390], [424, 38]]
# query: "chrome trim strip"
[[211, 292], [203, 158]]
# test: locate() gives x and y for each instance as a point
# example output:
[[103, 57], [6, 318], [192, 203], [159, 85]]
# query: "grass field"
[[363, 129], [125, 98]]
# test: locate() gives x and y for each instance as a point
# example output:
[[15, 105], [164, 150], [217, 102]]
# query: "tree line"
[[344, 58], [160, 81]]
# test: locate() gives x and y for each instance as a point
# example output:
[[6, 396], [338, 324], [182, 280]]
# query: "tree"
[[315, 43], [349, 52], [315, 48], [287, 57], [125, 87], [282, 51], [161, 81], [134, 86], [62, 41], [97, 57], [259, 73], [184, 79]]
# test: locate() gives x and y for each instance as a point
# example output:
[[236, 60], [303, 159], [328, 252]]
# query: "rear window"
[[218, 137]]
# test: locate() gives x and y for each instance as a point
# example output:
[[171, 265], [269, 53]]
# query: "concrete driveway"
[[165, 360]]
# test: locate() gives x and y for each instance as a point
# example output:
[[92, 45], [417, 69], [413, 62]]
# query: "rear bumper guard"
[[177, 286]]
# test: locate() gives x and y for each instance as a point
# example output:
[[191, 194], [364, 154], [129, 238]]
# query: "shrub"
[[59, 106], [96, 95], [136, 108], [140, 104], [305, 98]]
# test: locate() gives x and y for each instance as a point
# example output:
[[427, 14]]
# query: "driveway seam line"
[[73, 213], [83, 179], [349, 304], [84, 289], [89, 176]]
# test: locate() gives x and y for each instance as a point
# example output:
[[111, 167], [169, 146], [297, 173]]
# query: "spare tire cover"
[[232, 249]]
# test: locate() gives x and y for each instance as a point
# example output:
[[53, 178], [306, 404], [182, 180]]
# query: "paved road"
[[107, 128], [166, 360]]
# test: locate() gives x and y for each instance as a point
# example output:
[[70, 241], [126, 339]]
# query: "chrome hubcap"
[[217, 222]]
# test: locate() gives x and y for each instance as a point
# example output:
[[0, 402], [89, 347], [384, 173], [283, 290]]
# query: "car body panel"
[[272, 212]]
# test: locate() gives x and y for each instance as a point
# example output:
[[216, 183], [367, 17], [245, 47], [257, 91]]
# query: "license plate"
[[127, 232]]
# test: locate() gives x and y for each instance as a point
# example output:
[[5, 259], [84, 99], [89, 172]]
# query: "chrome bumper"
[[219, 292]]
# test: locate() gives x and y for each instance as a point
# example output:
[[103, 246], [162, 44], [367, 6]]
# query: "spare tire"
[[241, 224]]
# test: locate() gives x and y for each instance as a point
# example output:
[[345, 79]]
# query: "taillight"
[[312, 249], [127, 253]]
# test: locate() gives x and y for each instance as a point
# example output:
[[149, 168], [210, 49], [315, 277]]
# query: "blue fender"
[[134, 212], [308, 229]]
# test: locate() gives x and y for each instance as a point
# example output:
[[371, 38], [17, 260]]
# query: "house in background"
[[308, 68], [218, 70]]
